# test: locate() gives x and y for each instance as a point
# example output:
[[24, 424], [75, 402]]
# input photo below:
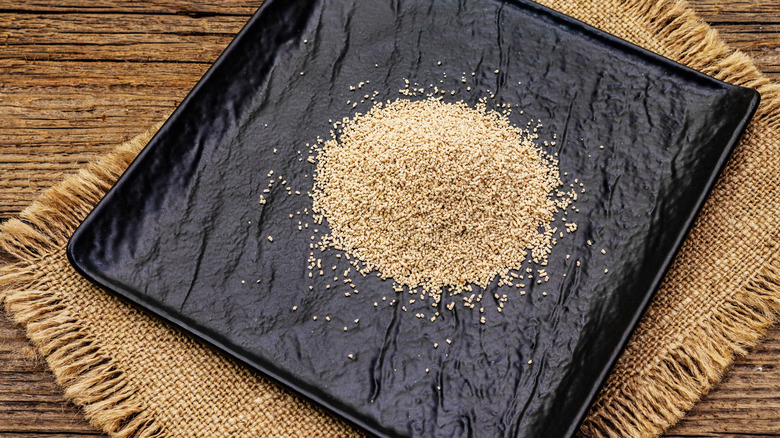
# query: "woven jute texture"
[[136, 376]]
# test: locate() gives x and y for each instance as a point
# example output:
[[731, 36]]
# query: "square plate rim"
[[560, 19]]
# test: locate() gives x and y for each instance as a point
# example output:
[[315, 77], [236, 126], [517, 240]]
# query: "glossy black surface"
[[182, 233]]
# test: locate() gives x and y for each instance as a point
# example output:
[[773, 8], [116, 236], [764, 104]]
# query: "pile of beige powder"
[[437, 196]]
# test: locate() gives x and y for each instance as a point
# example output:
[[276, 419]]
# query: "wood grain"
[[30, 400], [77, 77]]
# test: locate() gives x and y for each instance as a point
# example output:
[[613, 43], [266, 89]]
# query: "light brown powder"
[[435, 194]]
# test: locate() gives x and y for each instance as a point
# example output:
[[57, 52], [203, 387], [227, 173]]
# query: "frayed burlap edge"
[[90, 378], [93, 381], [669, 389]]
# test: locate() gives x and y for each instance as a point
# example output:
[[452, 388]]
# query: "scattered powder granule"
[[270, 238], [436, 195]]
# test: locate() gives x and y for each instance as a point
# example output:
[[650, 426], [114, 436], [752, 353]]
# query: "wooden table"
[[82, 76]]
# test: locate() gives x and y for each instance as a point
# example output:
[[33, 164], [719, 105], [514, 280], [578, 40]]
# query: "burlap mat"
[[134, 375]]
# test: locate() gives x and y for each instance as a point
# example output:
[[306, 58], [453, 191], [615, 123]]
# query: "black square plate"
[[182, 233]]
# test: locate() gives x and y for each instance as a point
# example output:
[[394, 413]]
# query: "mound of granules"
[[437, 195]]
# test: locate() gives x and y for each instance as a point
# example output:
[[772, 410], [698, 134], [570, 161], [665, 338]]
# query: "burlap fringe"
[[668, 390], [90, 378], [662, 395]]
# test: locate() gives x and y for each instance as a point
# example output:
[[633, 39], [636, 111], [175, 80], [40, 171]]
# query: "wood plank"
[[747, 401], [77, 77], [761, 41], [73, 76], [195, 8], [737, 11], [182, 51], [31, 402], [52, 29]]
